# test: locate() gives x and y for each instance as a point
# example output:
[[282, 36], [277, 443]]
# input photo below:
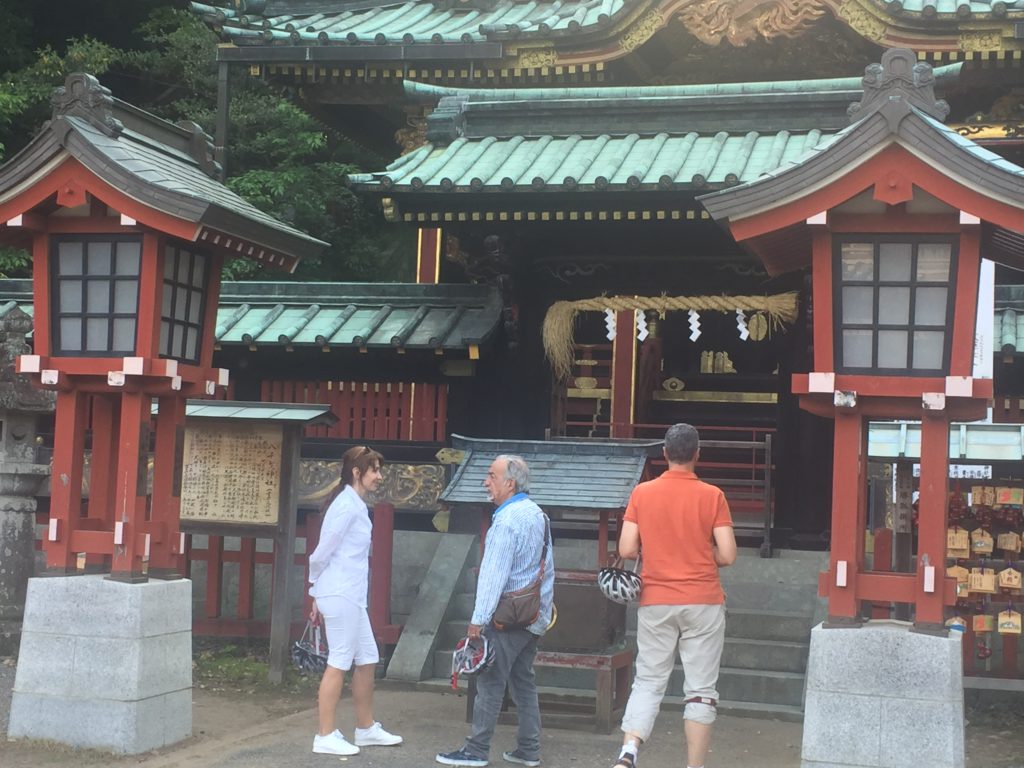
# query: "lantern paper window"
[[894, 305], [96, 285], [184, 288]]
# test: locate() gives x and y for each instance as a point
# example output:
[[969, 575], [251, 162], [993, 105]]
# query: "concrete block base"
[[881, 696], [104, 664]]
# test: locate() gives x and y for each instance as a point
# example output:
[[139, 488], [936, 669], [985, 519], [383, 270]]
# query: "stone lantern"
[[892, 216], [21, 404], [128, 228]]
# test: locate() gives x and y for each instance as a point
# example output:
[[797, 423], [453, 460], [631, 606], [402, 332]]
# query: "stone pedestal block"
[[881, 696], [104, 664]]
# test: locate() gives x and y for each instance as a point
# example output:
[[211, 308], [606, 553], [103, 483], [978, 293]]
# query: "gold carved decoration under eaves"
[[862, 20], [407, 486], [981, 40], [742, 21], [641, 31], [535, 58], [413, 135]]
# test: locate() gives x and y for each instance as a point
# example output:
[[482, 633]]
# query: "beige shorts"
[[697, 634], [349, 634]]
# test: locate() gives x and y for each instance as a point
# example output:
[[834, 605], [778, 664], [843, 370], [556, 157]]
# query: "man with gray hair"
[[685, 530], [517, 540]]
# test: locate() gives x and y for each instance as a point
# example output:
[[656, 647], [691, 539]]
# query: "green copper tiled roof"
[[950, 8], [299, 22], [318, 22], [1009, 319], [618, 138], [559, 163], [374, 315], [586, 475]]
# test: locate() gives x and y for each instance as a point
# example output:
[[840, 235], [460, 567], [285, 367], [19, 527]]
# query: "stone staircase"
[[772, 606]]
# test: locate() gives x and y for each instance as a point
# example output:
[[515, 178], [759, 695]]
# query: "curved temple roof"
[[591, 475], [657, 138], [565, 32], [166, 167], [399, 316], [303, 22]]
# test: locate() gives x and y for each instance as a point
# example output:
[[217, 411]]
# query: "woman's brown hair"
[[360, 457]]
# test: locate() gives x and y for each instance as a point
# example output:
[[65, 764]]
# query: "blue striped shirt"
[[512, 559]]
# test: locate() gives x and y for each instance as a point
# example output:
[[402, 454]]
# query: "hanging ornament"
[[741, 325], [609, 323], [641, 324], [694, 316], [758, 326]]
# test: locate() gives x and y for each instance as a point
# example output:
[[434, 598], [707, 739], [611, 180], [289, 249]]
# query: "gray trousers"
[[514, 652]]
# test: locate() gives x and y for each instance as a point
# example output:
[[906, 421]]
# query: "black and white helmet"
[[472, 655], [619, 585]]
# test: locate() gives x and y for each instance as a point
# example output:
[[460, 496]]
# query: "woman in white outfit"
[[338, 572]]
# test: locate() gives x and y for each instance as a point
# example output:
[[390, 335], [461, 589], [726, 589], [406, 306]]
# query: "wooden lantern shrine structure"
[[128, 228], [893, 216]]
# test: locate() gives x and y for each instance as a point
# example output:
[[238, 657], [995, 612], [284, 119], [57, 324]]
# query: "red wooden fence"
[[370, 410]]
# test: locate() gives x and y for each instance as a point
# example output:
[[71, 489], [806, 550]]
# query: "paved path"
[[236, 730]]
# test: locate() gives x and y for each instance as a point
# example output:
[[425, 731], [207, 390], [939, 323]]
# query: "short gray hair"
[[516, 470], [681, 443]]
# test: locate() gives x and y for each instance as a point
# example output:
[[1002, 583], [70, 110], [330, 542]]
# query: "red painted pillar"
[[623, 374], [165, 557], [381, 554], [932, 506], [130, 487], [428, 255], [847, 555], [66, 480], [882, 563], [104, 416]]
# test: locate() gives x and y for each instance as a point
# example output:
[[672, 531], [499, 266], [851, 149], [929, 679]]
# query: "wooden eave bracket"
[[30, 222], [236, 247]]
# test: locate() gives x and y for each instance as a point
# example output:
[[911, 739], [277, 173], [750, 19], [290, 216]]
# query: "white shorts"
[[349, 635]]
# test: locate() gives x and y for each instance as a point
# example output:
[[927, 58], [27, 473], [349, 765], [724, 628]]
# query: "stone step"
[[552, 696], [734, 684], [760, 624], [766, 655]]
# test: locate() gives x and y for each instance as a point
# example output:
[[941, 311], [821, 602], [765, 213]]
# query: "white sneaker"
[[333, 744], [376, 736]]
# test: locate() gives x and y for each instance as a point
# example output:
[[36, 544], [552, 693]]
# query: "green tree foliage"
[[279, 157]]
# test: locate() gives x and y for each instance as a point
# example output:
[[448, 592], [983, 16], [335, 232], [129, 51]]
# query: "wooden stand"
[[613, 672]]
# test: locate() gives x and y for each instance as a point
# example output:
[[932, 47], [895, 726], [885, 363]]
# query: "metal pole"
[[220, 140]]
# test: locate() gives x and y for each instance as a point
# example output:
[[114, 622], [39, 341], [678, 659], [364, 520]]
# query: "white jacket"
[[340, 563]]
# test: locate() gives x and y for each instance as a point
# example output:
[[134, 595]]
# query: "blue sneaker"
[[461, 757], [519, 757]]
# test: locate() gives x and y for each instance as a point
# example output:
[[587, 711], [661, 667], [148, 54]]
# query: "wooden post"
[[903, 528], [105, 413], [284, 555], [165, 561], [623, 374], [220, 144], [382, 553], [931, 532], [883, 563], [428, 255], [130, 487], [846, 559], [66, 482]]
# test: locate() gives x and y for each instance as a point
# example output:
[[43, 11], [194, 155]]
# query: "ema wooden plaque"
[[231, 474]]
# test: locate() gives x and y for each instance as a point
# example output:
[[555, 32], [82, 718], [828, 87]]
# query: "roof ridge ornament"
[[83, 96], [897, 85]]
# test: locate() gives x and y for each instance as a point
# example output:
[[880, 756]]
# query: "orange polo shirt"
[[676, 514]]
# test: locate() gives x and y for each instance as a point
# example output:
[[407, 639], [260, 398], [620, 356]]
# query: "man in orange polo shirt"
[[685, 530]]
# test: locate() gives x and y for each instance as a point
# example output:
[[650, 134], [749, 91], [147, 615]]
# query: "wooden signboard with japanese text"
[[231, 475]]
